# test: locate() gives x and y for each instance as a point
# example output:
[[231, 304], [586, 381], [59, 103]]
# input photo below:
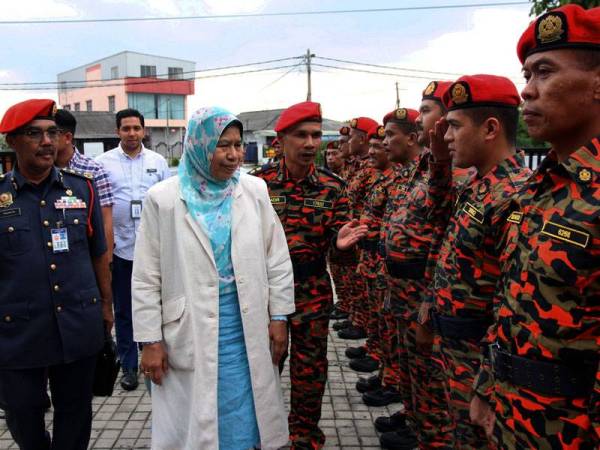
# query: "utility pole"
[[397, 96], [308, 57]]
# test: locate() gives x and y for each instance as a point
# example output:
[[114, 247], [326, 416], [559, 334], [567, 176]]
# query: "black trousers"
[[22, 396]]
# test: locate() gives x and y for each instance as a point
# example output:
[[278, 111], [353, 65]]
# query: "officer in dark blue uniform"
[[55, 282]]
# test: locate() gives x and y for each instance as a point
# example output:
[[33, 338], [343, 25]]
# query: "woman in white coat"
[[212, 286]]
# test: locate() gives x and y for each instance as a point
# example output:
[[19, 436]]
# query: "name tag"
[[278, 200], [60, 240], [321, 204], [515, 217], [151, 170], [473, 212], [566, 234], [4, 214]]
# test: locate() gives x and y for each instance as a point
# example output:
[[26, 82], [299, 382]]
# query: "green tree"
[[3, 144], [541, 6]]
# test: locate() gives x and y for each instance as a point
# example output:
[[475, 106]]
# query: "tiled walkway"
[[123, 420]]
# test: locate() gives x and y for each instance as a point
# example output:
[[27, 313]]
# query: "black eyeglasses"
[[37, 134]]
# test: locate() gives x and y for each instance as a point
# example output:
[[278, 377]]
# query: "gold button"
[[46, 223], [53, 266], [76, 221], [11, 229], [49, 244], [7, 319], [58, 308], [94, 300], [43, 203], [56, 288]]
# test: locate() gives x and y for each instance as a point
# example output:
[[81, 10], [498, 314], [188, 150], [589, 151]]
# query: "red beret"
[[333, 145], [401, 115], [344, 131], [297, 113], [436, 90], [569, 26], [472, 91], [376, 132], [22, 113], [363, 124]]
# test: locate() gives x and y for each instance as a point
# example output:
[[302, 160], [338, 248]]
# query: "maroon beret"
[[569, 26], [376, 132], [333, 145], [363, 124], [297, 113], [436, 90], [401, 115], [24, 112], [472, 91]]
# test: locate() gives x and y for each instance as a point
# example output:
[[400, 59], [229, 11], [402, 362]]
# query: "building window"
[[114, 72], [77, 107], [111, 103], [175, 73], [148, 71], [88, 105], [67, 107], [156, 106]]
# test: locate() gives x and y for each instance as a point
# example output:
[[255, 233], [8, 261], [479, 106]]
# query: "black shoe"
[[341, 325], [356, 352], [366, 364], [352, 332], [395, 422], [338, 315], [368, 384], [381, 397], [397, 440], [129, 380]]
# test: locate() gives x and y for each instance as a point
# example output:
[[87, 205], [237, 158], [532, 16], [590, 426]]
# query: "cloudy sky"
[[446, 42]]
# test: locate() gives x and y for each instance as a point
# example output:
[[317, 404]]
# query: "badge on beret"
[[550, 28], [381, 132], [354, 123], [430, 89], [585, 175], [6, 199], [54, 110], [459, 94], [401, 114]]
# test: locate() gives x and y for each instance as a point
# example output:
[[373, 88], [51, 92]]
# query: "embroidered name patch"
[[4, 214], [515, 217], [278, 200], [566, 234], [473, 212], [322, 204]]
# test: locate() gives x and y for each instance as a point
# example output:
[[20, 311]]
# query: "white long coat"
[[175, 292]]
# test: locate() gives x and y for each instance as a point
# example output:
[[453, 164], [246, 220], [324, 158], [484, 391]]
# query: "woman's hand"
[[278, 333], [154, 362], [350, 234]]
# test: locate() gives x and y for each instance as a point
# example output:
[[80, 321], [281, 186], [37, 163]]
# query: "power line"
[[266, 14], [351, 69], [388, 67]]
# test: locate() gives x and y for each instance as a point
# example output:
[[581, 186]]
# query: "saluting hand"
[[278, 333], [439, 147], [154, 362], [350, 234]]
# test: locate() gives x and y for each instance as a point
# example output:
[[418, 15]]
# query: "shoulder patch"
[[86, 175]]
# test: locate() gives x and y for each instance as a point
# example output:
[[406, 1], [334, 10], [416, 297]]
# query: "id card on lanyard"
[[136, 209]]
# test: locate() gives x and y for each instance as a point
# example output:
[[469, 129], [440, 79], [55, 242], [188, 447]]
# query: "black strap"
[[546, 378], [460, 328], [414, 270], [307, 269]]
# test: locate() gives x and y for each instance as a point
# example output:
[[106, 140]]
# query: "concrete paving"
[[123, 420]]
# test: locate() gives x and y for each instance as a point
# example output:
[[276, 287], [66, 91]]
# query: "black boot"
[[395, 422], [129, 380], [381, 397], [352, 332], [341, 325], [397, 440], [336, 314], [368, 384], [356, 352], [366, 364]]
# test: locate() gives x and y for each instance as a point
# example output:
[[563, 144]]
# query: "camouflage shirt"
[[549, 294], [358, 187]]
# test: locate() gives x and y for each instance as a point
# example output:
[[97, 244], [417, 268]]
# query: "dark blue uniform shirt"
[[50, 306]]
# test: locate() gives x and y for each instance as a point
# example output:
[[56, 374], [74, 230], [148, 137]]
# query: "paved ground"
[[123, 420]]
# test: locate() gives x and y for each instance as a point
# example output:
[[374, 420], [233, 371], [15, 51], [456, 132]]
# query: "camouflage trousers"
[[340, 275], [309, 328], [374, 306], [359, 314], [461, 361], [527, 420], [389, 339], [430, 407]]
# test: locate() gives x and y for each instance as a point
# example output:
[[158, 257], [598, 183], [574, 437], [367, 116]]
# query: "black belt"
[[543, 377], [307, 269], [410, 270], [459, 327]]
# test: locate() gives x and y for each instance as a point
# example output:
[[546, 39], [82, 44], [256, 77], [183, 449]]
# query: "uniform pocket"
[[177, 334], [76, 224], [15, 236]]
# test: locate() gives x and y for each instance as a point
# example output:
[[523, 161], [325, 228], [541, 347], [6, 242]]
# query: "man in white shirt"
[[132, 170]]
